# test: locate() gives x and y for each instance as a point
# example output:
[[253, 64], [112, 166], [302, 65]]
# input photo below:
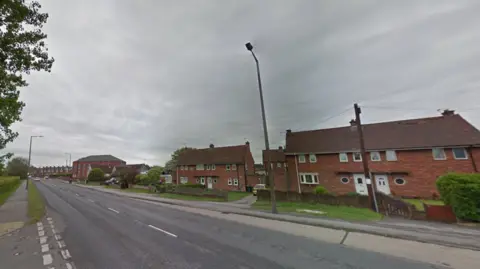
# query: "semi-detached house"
[[405, 157], [224, 168]]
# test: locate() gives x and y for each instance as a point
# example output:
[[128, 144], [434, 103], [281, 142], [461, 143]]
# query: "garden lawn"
[[336, 212], [189, 197], [418, 203], [237, 195]]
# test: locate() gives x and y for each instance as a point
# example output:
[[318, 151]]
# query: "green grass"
[[8, 185], [418, 203], [189, 197], [337, 212], [237, 195], [137, 190], [36, 204]]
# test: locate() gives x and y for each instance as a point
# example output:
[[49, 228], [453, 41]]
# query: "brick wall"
[[421, 171], [220, 174]]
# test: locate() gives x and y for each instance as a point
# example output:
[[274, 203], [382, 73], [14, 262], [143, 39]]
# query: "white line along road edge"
[[111, 209], [163, 231]]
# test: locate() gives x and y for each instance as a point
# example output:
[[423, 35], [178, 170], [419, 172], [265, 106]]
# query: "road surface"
[[105, 231]]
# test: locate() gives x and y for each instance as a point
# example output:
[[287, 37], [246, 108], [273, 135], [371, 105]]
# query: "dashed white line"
[[61, 244], [163, 231], [40, 228], [77, 194], [69, 266], [47, 259], [45, 248], [91, 200], [43, 240], [111, 209], [41, 233], [65, 254], [58, 237], [39, 224]]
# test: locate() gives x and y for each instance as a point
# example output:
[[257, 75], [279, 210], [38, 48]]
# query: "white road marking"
[[54, 231], [163, 231], [91, 200], [69, 266], [40, 228], [61, 244], [41, 233], [111, 209], [77, 194], [45, 248], [43, 240], [49, 219], [47, 259], [39, 224], [58, 237], [65, 254]]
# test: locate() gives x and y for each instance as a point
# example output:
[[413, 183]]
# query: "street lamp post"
[[265, 133], [30, 156], [69, 159]]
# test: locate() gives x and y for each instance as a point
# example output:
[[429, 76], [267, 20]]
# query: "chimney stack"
[[280, 148], [448, 112], [247, 143], [353, 123], [212, 146], [289, 131]]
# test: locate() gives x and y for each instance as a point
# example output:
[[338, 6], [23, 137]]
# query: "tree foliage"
[[154, 173], [18, 166], [96, 174], [462, 192], [22, 49], [172, 163]]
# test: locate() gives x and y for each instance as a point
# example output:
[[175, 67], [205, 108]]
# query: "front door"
[[382, 183], [209, 183], [360, 184]]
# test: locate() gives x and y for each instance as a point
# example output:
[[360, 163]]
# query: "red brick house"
[[80, 166], [224, 168], [279, 168], [405, 157]]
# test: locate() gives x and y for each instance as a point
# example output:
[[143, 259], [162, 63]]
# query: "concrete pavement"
[[109, 231], [13, 213]]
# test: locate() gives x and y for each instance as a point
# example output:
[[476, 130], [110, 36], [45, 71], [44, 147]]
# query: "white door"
[[382, 183], [360, 184], [210, 183]]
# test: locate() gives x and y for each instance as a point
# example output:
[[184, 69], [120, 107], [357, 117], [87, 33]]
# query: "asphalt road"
[[104, 231]]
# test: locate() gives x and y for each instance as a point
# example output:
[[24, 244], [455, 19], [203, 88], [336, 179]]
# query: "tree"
[[154, 173], [18, 166], [172, 163], [96, 174], [22, 49]]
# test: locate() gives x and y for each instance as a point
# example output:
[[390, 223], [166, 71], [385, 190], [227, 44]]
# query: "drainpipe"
[[296, 170], [474, 165]]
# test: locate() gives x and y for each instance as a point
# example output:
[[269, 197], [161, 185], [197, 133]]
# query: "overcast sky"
[[138, 79]]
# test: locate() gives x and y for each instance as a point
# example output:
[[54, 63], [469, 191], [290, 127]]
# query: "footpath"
[[439, 234], [13, 214]]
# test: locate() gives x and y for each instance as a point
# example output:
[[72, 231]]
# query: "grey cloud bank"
[[138, 79]]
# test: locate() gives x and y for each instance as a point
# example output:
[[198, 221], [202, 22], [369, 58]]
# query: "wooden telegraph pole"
[[366, 170]]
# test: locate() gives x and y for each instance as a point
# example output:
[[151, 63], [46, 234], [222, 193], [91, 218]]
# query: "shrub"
[[190, 185], [320, 190], [462, 193], [352, 193], [96, 174]]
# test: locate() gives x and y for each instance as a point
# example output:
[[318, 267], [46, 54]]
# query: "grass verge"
[[337, 212], [36, 204], [189, 197], [237, 195], [418, 203], [8, 185]]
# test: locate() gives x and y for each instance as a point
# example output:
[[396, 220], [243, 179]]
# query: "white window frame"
[[348, 180], [359, 154], [304, 181], [312, 158], [200, 167], [227, 167], [343, 154], [395, 181], [439, 159], [391, 153], [279, 165], [234, 167], [202, 180], [230, 182], [182, 167], [235, 182], [213, 167], [183, 180], [464, 151], [373, 153], [207, 166], [302, 158]]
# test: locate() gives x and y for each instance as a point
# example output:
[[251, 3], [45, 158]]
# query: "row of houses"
[[110, 165], [51, 170], [405, 158]]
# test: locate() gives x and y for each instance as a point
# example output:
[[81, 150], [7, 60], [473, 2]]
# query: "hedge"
[[462, 193]]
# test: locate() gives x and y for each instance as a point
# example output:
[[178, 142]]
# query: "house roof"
[[100, 158], [276, 155], [107, 169], [443, 131], [214, 155]]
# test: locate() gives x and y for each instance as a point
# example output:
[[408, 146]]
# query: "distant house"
[[129, 171], [225, 168], [405, 157], [80, 166], [106, 169], [279, 168], [52, 170]]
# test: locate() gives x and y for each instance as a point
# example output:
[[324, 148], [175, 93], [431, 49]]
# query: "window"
[[301, 158], [391, 155], [235, 181], [197, 180], [182, 167], [200, 167], [357, 157], [191, 168], [345, 180], [312, 158], [308, 178], [184, 180], [460, 154], [343, 157], [227, 167], [234, 167], [400, 181], [215, 180], [229, 182], [375, 156], [213, 167], [207, 166], [439, 154], [279, 165], [202, 180]]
